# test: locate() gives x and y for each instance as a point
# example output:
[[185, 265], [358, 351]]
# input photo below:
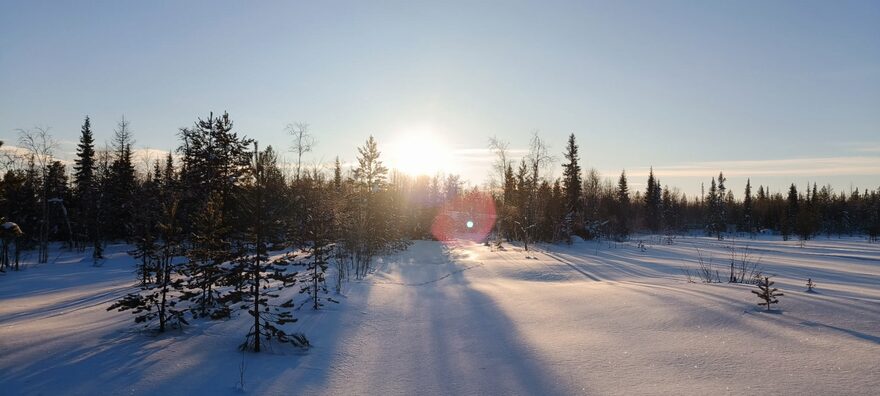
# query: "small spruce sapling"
[[767, 292], [810, 285]]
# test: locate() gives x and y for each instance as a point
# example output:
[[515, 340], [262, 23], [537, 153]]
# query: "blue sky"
[[783, 91]]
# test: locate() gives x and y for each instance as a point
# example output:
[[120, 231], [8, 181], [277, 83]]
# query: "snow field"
[[590, 318]]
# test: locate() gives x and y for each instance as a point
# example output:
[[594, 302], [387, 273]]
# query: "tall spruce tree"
[[789, 220], [571, 177], [622, 207], [372, 231], [264, 276], [85, 193], [121, 187], [747, 215], [653, 203], [714, 202], [215, 160]]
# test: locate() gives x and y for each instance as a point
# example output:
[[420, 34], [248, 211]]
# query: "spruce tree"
[[622, 205], [205, 269], [747, 217], [320, 232], [85, 183], [263, 275], [121, 186], [147, 209], [653, 203], [767, 293], [571, 178], [715, 202], [159, 301], [722, 201], [789, 221], [372, 230], [215, 160], [337, 174]]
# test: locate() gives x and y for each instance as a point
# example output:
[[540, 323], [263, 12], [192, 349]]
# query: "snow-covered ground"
[[590, 318]]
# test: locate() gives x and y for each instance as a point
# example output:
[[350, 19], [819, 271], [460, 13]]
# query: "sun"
[[420, 151]]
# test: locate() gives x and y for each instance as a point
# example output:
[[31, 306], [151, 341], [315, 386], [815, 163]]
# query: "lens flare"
[[470, 217]]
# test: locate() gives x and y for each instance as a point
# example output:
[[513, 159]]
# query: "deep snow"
[[590, 318]]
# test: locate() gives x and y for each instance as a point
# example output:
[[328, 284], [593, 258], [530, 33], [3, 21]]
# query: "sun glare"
[[420, 152]]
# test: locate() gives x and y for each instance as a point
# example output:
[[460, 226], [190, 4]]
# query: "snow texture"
[[440, 319]]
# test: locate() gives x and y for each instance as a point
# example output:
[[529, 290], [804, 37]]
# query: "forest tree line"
[[105, 198], [220, 225]]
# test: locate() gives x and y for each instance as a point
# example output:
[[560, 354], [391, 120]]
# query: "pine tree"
[[767, 293]]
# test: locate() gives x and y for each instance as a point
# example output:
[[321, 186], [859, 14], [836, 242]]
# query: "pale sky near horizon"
[[778, 91]]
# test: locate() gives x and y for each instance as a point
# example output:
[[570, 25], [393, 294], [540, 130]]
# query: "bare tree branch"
[[303, 142]]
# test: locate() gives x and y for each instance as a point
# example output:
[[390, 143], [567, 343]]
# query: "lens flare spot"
[[468, 217]]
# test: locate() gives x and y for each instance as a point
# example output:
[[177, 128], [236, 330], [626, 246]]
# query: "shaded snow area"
[[590, 318]]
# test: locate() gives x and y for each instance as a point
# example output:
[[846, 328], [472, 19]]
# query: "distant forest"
[[105, 198]]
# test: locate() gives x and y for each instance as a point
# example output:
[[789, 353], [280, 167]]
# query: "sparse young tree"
[[159, 301], [767, 293], [205, 269], [320, 233], [265, 276]]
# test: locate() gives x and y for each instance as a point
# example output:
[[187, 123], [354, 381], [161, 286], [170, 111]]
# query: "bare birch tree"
[[40, 145], [303, 142]]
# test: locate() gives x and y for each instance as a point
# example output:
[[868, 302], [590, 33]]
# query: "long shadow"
[[444, 338], [857, 334]]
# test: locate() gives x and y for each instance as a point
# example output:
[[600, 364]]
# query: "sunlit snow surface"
[[461, 318]]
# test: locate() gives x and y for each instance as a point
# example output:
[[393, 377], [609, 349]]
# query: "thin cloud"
[[820, 166], [483, 155]]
